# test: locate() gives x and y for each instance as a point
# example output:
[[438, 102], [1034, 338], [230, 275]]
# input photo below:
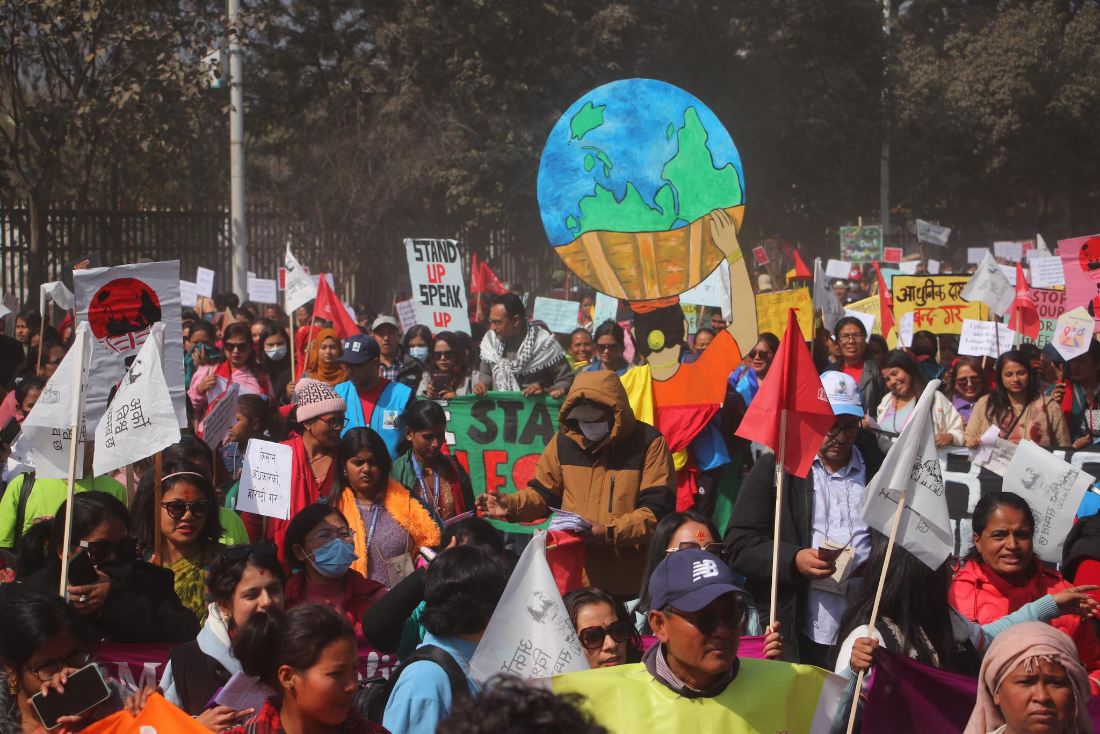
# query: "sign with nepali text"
[[435, 269], [266, 479], [771, 310], [936, 302]]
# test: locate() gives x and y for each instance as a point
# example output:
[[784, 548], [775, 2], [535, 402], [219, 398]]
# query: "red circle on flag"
[[123, 306]]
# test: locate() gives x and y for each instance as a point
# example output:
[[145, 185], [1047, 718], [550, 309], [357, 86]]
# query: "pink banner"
[[1081, 263]]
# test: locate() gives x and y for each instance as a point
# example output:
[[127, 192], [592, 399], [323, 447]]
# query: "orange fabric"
[[333, 374], [704, 380], [653, 305], [158, 715], [408, 511]]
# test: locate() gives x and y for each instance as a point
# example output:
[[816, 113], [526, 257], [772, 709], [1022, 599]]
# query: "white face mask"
[[275, 353], [418, 353], [595, 430]]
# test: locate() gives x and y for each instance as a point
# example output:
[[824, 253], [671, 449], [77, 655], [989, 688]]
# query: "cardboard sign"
[[936, 302], [189, 294], [204, 282], [220, 418], [265, 479], [406, 314], [1073, 333], [435, 269], [771, 310], [761, 255], [975, 255], [905, 330], [869, 305], [909, 267], [1046, 272], [892, 254], [262, 290], [1013, 251], [839, 269], [985, 339]]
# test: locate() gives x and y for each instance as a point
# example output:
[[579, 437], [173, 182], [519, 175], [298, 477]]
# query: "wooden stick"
[[41, 337], [129, 483], [309, 343], [158, 496], [293, 353], [78, 389], [874, 607], [780, 476]]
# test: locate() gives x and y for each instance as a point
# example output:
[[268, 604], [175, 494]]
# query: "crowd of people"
[[389, 544]]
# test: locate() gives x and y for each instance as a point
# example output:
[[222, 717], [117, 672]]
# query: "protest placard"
[[761, 255], [121, 304], [933, 234], [263, 290], [1073, 332], [406, 314], [909, 267], [265, 479], [1046, 272], [1053, 490], [892, 254], [985, 338], [712, 292], [905, 330], [1081, 268], [867, 319], [869, 305], [936, 302], [607, 308], [861, 244], [439, 289], [560, 316], [204, 282], [1049, 305], [771, 310], [839, 269], [1013, 251], [975, 255], [220, 418], [189, 294], [933, 267]]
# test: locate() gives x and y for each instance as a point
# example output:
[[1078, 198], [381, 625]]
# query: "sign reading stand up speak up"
[[435, 269]]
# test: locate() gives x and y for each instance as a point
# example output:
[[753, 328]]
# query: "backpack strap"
[[455, 674], [21, 507]]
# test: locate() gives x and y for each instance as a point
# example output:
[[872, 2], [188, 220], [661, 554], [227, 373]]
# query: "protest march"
[[695, 481]]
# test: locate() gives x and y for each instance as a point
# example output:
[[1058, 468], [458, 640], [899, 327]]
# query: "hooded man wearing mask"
[[613, 470]]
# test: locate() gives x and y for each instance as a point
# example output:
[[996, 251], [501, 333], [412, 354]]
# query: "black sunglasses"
[[707, 622], [592, 637], [235, 553], [449, 354], [714, 548], [176, 509], [760, 353], [125, 548], [236, 346]]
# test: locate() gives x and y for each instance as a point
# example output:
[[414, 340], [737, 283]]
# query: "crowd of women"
[[383, 547]]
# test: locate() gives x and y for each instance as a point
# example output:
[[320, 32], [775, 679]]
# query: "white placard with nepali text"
[[975, 255], [204, 282], [560, 316], [189, 294], [220, 418], [1053, 489], [1047, 272], [985, 338], [1013, 251], [406, 314], [265, 479], [933, 267], [435, 269], [262, 290]]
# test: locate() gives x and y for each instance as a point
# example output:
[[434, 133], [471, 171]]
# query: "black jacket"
[[141, 606], [748, 537]]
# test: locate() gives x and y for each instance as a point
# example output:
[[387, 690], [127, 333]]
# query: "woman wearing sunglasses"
[[447, 372], [966, 383], [240, 366], [603, 627], [130, 601], [321, 548], [189, 528], [244, 580]]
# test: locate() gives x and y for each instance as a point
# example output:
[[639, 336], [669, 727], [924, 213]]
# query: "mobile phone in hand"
[[85, 689], [81, 570]]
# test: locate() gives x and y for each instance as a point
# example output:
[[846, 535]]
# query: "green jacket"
[[47, 495]]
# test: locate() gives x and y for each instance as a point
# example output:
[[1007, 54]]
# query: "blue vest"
[[391, 403]]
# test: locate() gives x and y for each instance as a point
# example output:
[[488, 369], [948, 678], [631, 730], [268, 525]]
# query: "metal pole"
[[238, 229], [884, 159]]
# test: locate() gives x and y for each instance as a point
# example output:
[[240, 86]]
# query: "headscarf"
[[333, 374], [1031, 642]]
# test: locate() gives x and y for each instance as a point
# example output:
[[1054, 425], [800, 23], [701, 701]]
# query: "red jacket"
[[984, 596], [268, 721], [359, 594]]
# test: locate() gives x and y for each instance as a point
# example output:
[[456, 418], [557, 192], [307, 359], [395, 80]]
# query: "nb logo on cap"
[[703, 570]]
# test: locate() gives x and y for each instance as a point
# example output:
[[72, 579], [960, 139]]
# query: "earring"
[[13, 684]]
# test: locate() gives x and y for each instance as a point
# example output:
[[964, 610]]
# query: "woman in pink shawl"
[[1031, 682]]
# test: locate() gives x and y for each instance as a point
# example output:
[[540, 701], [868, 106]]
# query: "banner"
[[435, 270], [1050, 304], [936, 302], [120, 305], [1081, 267], [498, 437], [861, 244], [771, 311]]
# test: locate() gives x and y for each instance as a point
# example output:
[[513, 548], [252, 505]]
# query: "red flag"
[[476, 285], [328, 307], [792, 384], [885, 303], [490, 282], [1025, 316]]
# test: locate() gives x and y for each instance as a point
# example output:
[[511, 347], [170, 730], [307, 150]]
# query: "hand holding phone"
[[70, 694]]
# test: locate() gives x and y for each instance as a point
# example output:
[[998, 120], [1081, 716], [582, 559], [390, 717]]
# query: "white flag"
[[56, 292], [1041, 249], [140, 421], [1053, 489], [825, 299], [990, 286], [530, 634], [49, 426], [913, 469], [298, 289], [933, 234]]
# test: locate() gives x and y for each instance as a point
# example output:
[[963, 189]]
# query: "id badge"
[[398, 567]]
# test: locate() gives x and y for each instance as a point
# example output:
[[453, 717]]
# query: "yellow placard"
[[868, 305], [771, 311], [936, 302]]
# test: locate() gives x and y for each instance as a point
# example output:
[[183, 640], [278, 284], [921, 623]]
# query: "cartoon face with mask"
[[329, 547]]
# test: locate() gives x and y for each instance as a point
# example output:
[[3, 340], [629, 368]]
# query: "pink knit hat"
[[315, 398]]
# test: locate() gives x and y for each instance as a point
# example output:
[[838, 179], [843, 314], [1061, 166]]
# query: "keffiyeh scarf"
[[538, 350]]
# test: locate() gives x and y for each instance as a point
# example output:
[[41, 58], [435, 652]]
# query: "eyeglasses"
[[324, 536], [48, 669], [968, 380], [846, 430], [444, 354], [760, 354], [608, 347], [236, 346], [236, 553], [707, 621], [176, 509], [103, 550], [592, 637], [333, 423], [851, 338], [714, 548]]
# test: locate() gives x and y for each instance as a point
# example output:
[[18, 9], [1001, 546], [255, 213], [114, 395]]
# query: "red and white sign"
[[761, 255], [435, 269], [892, 254]]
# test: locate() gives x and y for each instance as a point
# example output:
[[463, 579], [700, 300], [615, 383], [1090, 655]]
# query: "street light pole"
[[884, 159], [238, 231]]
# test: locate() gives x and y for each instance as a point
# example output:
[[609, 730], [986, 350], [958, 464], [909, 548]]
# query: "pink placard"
[[1081, 264], [892, 254]]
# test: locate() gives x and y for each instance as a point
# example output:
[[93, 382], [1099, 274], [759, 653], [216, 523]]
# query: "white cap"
[[843, 393]]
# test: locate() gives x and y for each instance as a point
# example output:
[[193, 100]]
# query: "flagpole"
[[158, 495], [874, 607], [78, 386], [41, 336], [780, 476]]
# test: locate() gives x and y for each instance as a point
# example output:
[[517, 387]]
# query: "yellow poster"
[[868, 305], [936, 302], [771, 311]]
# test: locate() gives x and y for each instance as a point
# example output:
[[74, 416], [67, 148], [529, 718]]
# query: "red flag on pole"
[[476, 285], [885, 303], [791, 386], [1025, 316], [490, 283], [331, 309]]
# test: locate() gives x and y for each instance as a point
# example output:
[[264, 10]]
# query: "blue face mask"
[[332, 559], [419, 353]]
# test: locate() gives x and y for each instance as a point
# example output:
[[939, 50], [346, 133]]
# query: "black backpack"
[[373, 694]]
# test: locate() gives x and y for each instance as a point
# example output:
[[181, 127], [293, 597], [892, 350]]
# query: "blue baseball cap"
[[689, 580], [359, 349]]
